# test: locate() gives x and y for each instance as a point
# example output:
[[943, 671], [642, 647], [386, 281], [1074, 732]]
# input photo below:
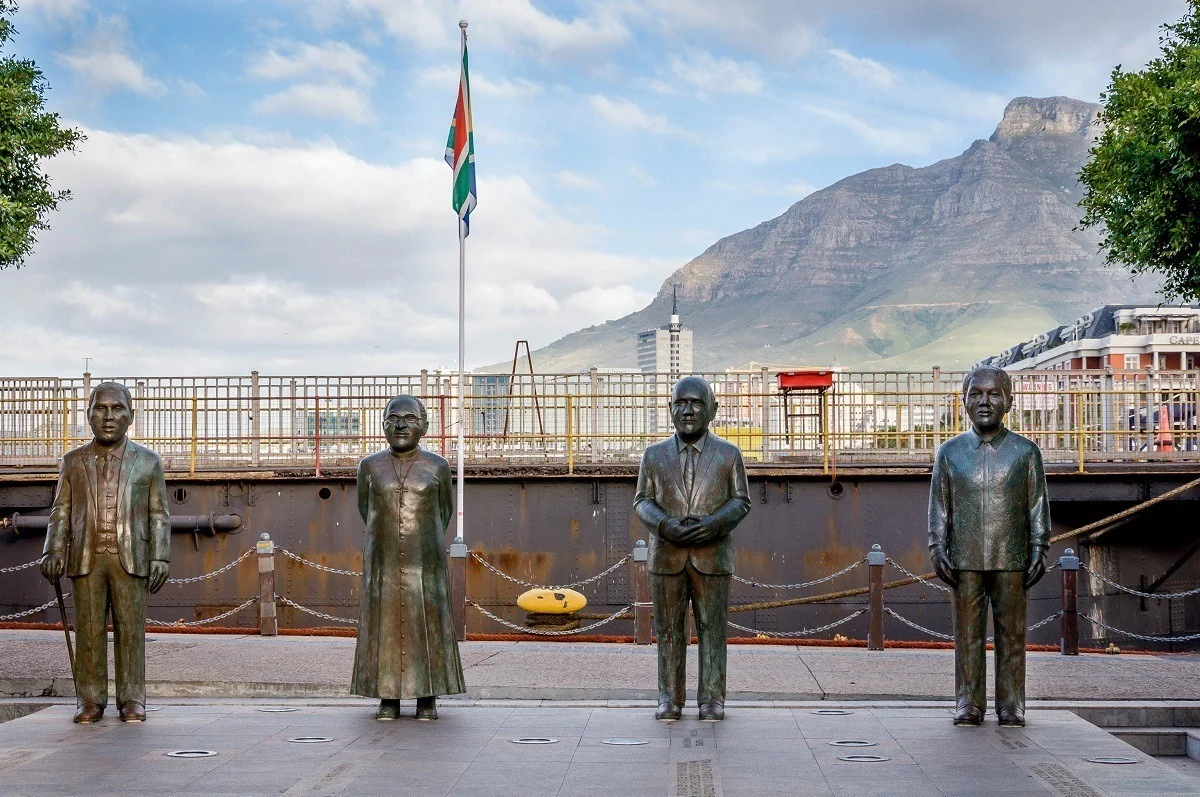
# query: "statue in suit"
[[110, 533], [989, 528], [691, 494], [406, 644]]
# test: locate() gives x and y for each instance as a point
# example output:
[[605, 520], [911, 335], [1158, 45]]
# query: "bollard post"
[[268, 624], [458, 587], [1068, 563], [641, 594], [875, 562]]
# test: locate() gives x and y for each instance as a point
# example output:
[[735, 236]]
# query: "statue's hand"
[[941, 565], [1037, 569], [671, 529], [700, 530], [158, 574], [52, 566]]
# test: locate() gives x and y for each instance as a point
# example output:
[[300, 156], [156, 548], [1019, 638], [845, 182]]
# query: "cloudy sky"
[[262, 186]]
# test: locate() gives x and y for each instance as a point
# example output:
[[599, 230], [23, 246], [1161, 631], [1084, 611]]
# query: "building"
[[1115, 338], [666, 350]]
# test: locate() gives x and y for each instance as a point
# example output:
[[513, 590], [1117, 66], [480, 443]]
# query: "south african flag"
[[460, 150]]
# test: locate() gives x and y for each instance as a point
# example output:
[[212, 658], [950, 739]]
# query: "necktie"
[[689, 469]]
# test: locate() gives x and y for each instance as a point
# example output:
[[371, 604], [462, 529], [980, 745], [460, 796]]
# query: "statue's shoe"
[[968, 715], [89, 712], [1012, 718], [132, 711], [388, 710], [426, 708], [712, 711], [668, 712]]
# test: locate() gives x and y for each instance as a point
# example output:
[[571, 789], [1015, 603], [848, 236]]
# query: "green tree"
[[28, 136]]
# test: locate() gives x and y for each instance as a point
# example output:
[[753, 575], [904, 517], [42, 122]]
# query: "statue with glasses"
[[406, 644]]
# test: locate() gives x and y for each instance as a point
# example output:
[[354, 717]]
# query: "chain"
[[792, 634], [315, 613], [515, 580], [920, 628], [1124, 588], [802, 585], [15, 568], [1144, 637], [1041, 623], [28, 612], [214, 573], [929, 582], [206, 621], [302, 560], [525, 630]]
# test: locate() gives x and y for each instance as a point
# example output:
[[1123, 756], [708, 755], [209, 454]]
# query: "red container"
[[805, 380]]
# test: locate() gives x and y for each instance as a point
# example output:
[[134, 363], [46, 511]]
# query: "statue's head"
[[110, 412], [693, 407], [987, 395], [405, 422]]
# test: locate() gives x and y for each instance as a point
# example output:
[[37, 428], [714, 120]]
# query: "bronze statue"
[[691, 493], [989, 528], [109, 531], [406, 646]]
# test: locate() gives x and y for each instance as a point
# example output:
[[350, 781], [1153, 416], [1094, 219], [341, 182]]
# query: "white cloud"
[[713, 75], [320, 100], [328, 60], [866, 70], [56, 11], [481, 85], [627, 114], [576, 181], [104, 64], [641, 178]]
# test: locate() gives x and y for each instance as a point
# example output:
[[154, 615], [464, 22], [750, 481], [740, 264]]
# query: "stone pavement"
[[34, 663], [469, 752]]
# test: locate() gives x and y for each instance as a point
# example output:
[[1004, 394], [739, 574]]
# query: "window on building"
[[1132, 361]]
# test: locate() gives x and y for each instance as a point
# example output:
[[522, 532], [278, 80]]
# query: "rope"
[[195, 623], [794, 634], [829, 596], [536, 632], [530, 584], [1144, 637], [15, 568], [214, 573], [315, 613], [1133, 510], [1131, 591], [28, 612], [302, 560], [910, 574], [804, 584]]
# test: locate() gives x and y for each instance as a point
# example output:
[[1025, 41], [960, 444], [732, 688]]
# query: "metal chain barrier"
[[1144, 637], [530, 584], [804, 584], [15, 568], [314, 612], [304, 561], [1041, 623], [206, 621], [214, 573], [28, 612], [1131, 591], [525, 630], [929, 582], [794, 634], [920, 628]]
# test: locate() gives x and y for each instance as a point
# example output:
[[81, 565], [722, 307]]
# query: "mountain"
[[897, 267]]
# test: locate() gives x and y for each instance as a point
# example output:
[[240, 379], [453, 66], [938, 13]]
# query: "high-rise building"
[[666, 350]]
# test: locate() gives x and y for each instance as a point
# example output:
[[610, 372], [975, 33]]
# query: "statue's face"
[[691, 409], [402, 424], [109, 416], [986, 403]]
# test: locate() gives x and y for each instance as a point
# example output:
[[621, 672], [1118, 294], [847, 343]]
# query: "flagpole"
[[462, 313]]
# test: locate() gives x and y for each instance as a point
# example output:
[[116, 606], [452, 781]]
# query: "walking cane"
[[62, 612]]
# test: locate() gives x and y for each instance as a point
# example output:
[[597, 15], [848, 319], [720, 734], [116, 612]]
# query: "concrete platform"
[[755, 751]]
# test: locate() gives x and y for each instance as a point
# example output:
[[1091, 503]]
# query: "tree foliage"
[[1141, 181], [28, 136]]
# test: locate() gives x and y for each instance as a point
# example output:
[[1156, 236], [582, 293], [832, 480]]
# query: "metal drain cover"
[[624, 741], [853, 743], [534, 740], [832, 712], [862, 758], [1109, 759], [276, 709], [310, 739], [191, 754]]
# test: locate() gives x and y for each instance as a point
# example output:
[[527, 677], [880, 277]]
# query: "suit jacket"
[[143, 526], [988, 508], [720, 489]]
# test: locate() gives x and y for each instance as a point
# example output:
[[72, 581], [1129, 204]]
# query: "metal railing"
[[258, 422]]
